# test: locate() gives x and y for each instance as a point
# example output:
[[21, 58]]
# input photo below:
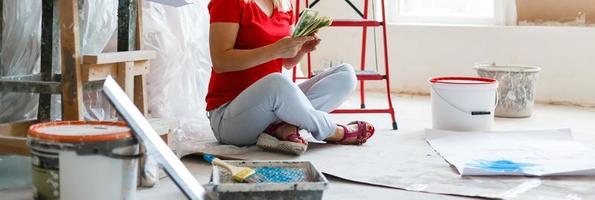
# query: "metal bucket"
[[516, 90], [83, 160]]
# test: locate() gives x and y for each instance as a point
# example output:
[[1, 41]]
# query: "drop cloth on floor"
[[403, 160]]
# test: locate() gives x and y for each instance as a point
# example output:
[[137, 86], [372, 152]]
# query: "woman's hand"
[[290, 47], [311, 45], [304, 49]]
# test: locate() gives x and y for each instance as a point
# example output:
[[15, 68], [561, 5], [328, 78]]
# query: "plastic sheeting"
[[178, 77], [98, 23], [21, 54]]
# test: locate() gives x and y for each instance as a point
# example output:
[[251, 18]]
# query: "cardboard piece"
[[13, 138], [553, 12]]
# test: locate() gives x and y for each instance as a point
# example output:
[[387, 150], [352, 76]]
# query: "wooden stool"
[[129, 68]]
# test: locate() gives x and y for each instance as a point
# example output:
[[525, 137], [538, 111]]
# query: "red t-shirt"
[[256, 30]]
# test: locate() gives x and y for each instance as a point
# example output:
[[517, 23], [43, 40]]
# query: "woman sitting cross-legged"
[[250, 102]]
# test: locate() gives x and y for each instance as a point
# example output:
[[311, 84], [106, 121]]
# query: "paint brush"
[[240, 174]]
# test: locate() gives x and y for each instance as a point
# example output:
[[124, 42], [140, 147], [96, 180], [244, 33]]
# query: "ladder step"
[[355, 23], [369, 75], [362, 111], [361, 75]]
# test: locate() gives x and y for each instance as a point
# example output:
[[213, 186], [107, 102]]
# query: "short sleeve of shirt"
[[292, 19], [225, 11]]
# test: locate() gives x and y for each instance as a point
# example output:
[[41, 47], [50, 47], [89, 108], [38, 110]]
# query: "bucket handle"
[[125, 157], [109, 153], [106, 149], [464, 111]]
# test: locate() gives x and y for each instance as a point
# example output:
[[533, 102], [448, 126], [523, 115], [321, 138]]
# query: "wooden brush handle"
[[216, 161], [219, 162]]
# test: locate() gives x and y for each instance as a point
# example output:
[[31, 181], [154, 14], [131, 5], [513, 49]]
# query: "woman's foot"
[[286, 132], [284, 138], [355, 133]]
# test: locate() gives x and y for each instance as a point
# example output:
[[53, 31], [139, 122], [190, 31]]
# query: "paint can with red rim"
[[83, 160], [463, 103]]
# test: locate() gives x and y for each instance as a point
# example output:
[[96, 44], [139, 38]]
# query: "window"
[[447, 11]]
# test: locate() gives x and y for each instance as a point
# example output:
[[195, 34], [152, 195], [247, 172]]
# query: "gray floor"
[[338, 190], [413, 114]]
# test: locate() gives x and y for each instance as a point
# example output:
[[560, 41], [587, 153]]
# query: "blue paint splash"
[[500, 165], [281, 175]]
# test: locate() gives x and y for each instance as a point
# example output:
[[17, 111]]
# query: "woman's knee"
[[347, 74], [276, 78], [278, 81]]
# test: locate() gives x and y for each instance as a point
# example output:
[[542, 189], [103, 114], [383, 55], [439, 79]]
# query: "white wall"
[[417, 52]]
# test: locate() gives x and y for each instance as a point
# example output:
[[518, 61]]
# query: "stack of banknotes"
[[310, 22]]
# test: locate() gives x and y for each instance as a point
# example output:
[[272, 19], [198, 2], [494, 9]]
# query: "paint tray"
[[312, 187]]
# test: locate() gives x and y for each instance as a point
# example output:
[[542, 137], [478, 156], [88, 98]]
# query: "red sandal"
[[272, 142], [360, 133]]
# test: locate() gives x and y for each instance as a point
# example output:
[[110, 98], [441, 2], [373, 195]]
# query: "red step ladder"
[[362, 74]]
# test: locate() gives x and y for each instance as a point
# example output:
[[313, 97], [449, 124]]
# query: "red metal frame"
[[362, 96], [352, 23], [362, 77], [309, 55], [386, 66]]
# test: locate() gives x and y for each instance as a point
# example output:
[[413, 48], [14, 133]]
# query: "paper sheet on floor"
[[515, 153], [404, 160]]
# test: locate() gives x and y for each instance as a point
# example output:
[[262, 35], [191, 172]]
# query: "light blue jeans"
[[276, 98]]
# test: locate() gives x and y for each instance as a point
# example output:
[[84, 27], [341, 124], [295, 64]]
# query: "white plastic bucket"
[[83, 160], [463, 103]]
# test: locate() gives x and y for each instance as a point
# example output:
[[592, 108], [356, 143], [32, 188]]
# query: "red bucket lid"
[[80, 131], [463, 80]]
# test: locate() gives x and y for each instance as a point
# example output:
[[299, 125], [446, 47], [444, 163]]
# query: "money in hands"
[[310, 22]]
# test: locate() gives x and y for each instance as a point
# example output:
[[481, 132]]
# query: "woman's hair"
[[281, 5]]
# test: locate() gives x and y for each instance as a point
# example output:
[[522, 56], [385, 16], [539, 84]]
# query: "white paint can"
[[83, 160], [463, 103]]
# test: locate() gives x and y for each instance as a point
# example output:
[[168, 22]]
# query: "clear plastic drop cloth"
[[98, 22], [178, 77], [21, 35], [21, 49]]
